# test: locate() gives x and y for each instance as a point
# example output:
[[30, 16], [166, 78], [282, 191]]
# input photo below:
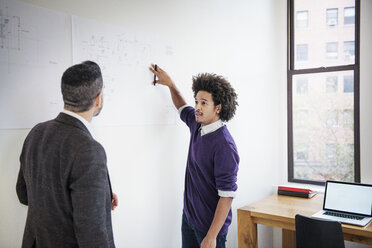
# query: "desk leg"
[[288, 238], [247, 230]]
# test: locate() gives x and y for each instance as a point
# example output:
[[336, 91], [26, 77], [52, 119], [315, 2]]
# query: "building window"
[[301, 52], [302, 18], [332, 17], [331, 153], [301, 117], [349, 15], [348, 84], [323, 92], [346, 159], [349, 50], [301, 86], [331, 84], [332, 118], [331, 50], [348, 118], [302, 154]]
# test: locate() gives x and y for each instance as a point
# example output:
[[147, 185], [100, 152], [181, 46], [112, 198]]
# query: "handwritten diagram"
[[10, 26], [34, 51], [124, 58]]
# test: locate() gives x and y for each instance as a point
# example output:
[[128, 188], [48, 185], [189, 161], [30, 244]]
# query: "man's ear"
[[98, 101], [218, 108]]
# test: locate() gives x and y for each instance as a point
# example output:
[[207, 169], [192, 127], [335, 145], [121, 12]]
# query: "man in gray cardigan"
[[63, 176]]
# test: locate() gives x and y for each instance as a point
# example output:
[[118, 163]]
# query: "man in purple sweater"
[[212, 163]]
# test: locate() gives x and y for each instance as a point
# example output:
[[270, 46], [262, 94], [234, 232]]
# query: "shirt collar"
[[211, 127], [80, 118]]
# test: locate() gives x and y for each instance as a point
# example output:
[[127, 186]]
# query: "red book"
[[284, 188]]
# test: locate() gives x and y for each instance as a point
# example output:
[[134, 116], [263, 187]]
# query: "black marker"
[[156, 69]]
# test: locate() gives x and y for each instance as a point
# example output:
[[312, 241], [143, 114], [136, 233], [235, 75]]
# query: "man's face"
[[205, 110]]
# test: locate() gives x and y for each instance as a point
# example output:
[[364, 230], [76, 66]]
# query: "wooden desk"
[[279, 211]]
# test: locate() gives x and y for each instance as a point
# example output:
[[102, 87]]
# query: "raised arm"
[[164, 79]]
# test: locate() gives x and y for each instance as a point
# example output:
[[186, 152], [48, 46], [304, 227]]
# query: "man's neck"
[[87, 115]]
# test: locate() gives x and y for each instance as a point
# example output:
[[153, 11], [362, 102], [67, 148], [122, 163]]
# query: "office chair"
[[317, 233]]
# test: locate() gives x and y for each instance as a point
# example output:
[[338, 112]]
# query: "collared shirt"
[[208, 128], [80, 118]]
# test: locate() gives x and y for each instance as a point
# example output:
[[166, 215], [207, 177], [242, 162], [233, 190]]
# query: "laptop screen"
[[348, 197]]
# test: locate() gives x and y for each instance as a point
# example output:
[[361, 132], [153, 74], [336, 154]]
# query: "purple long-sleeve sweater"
[[212, 166]]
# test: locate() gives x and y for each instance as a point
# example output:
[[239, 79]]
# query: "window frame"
[[327, 17], [348, 16], [291, 71], [307, 18]]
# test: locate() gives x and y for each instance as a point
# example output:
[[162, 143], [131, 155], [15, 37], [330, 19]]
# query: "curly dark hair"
[[222, 92]]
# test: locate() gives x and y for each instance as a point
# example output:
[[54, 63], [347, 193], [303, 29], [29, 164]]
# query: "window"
[[331, 84], [348, 84], [332, 50], [332, 118], [302, 116], [301, 85], [301, 52], [332, 17], [346, 162], [301, 153], [348, 117], [323, 91], [349, 50], [349, 15], [331, 153], [302, 19]]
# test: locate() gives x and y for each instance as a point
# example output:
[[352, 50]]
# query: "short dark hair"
[[222, 92], [81, 84]]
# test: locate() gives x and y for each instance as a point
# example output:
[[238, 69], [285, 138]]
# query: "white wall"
[[365, 91], [243, 40]]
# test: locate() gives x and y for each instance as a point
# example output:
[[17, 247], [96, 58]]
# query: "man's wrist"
[[212, 234]]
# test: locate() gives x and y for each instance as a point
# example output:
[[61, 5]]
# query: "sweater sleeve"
[[226, 163], [188, 116]]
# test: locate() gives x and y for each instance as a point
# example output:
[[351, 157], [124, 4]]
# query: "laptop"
[[349, 203]]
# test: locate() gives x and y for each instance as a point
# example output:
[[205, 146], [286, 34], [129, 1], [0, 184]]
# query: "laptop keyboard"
[[349, 216]]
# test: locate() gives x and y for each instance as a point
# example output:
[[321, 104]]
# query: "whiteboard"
[[37, 45], [35, 49], [124, 57]]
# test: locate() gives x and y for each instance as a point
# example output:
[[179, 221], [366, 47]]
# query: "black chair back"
[[317, 233]]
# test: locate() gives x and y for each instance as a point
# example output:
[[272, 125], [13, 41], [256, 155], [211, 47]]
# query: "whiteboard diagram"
[[9, 30], [34, 51], [124, 57]]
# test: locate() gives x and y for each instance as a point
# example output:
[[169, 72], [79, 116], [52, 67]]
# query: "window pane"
[[301, 19], [348, 83], [348, 117], [331, 50], [301, 85], [328, 41], [332, 17], [349, 15], [301, 52], [349, 51], [323, 128], [331, 84]]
